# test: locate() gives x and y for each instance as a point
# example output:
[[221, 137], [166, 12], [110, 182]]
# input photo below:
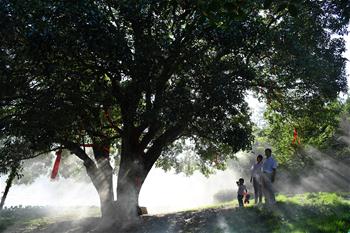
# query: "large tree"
[[139, 75]]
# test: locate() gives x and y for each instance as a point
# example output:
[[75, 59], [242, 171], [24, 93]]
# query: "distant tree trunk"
[[8, 184]]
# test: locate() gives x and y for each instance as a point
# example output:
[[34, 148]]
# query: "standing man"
[[269, 173]]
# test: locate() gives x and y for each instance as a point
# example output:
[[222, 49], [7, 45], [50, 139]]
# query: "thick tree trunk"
[[8, 185], [102, 179], [132, 174], [101, 175], [105, 189]]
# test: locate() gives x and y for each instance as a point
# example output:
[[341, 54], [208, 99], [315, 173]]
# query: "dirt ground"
[[203, 221], [309, 212]]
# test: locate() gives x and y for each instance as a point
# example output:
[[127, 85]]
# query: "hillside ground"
[[308, 212]]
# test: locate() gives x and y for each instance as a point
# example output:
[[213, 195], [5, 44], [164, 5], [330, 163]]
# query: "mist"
[[162, 192], [165, 192]]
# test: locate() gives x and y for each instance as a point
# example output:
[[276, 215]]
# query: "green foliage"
[[320, 129], [12, 151], [338, 145], [315, 212], [163, 70]]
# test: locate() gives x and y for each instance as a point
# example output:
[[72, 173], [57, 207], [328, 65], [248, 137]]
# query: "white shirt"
[[269, 164], [257, 170]]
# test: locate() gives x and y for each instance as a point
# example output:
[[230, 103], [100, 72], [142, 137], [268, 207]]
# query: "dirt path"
[[218, 220]]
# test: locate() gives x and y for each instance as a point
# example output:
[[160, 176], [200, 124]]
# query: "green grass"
[[314, 212], [304, 213], [34, 217]]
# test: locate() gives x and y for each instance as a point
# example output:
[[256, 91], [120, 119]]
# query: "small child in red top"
[[241, 191]]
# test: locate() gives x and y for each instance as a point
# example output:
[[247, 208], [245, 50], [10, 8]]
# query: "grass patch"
[[16, 215], [304, 213], [314, 212], [35, 217]]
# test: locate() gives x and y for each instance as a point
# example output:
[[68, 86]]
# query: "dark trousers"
[[240, 200]]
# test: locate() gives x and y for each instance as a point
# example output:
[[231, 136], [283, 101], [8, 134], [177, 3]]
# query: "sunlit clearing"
[[168, 192], [162, 191], [43, 192]]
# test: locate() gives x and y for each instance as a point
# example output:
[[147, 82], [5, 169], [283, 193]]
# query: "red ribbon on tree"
[[295, 137], [56, 165]]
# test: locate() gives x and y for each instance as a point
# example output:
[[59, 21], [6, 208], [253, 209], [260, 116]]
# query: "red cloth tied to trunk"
[[56, 165], [295, 137]]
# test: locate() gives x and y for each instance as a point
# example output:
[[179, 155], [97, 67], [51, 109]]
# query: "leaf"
[[282, 6], [267, 4], [293, 10]]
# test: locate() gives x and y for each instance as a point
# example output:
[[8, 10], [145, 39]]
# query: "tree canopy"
[[139, 75]]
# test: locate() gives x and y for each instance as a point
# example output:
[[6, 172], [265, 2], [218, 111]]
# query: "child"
[[241, 191], [246, 198]]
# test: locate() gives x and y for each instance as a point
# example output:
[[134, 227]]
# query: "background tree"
[[12, 152], [316, 130], [23, 166], [137, 76]]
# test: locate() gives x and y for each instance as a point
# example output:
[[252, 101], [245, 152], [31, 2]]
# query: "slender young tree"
[[9, 181], [12, 152]]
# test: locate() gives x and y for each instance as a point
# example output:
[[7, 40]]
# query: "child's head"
[[241, 181], [259, 158]]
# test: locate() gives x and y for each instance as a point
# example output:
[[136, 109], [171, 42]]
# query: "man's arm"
[[273, 175]]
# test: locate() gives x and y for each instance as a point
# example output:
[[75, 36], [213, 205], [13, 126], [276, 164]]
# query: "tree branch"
[[80, 153], [149, 135], [253, 50], [169, 136]]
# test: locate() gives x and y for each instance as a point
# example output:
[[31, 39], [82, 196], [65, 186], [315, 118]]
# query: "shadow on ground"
[[303, 213]]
